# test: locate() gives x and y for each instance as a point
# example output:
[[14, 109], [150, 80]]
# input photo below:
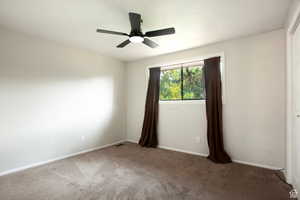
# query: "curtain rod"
[[201, 59], [181, 64], [186, 62]]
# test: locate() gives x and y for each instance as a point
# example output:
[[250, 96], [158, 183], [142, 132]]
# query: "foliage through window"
[[184, 83]]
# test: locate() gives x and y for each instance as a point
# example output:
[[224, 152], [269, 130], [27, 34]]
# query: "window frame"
[[181, 82], [177, 63]]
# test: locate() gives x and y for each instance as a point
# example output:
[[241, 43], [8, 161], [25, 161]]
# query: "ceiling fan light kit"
[[136, 39], [136, 35]]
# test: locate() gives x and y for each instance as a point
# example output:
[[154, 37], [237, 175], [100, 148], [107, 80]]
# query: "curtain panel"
[[149, 130], [213, 89]]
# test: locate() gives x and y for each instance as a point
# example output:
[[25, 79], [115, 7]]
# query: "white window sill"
[[183, 102]]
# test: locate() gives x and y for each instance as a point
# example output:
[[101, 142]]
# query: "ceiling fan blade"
[[135, 21], [123, 44], [160, 32], [150, 43], [111, 32]]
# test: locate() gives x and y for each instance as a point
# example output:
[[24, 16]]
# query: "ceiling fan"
[[136, 35]]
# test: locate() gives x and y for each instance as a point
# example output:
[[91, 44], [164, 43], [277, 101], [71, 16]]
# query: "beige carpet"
[[130, 172]]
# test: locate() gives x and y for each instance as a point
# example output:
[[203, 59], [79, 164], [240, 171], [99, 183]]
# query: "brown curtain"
[[149, 131], [213, 91]]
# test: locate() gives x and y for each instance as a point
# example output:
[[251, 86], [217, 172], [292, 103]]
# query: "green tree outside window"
[[185, 83]]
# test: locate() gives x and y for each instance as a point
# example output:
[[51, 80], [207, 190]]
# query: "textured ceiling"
[[197, 22]]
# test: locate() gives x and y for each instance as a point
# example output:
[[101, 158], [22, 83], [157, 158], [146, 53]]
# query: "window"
[[182, 83]]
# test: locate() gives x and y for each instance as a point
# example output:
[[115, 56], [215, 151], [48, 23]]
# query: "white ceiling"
[[197, 22]]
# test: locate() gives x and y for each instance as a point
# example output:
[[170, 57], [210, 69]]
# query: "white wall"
[[55, 100], [296, 108], [293, 148], [254, 110]]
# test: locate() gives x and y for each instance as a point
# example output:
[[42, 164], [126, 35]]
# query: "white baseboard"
[[132, 141], [58, 158], [205, 155], [118, 142], [182, 151], [257, 165]]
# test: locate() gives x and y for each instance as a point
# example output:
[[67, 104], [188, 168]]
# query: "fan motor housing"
[[136, 33]]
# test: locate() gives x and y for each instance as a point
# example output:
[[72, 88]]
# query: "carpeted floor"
[[129, 172]]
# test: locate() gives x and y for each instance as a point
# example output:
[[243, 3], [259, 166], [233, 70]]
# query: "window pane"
[[170, 84], [193, 83]]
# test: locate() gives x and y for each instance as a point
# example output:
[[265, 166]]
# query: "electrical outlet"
[[197, 139]]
